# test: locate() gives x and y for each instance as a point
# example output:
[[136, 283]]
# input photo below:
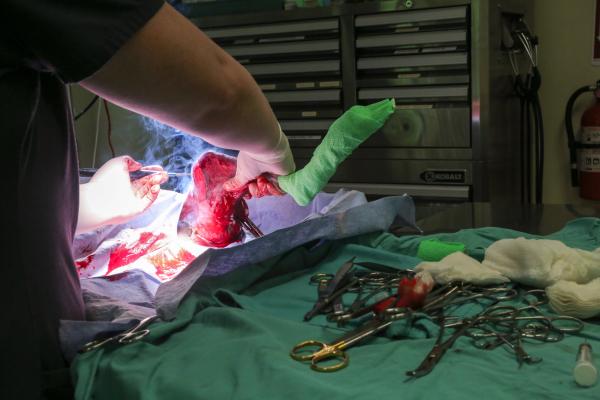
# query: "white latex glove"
[[110, 197], [259, 171]]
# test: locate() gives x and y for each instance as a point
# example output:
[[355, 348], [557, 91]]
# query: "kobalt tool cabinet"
[[455, 133]]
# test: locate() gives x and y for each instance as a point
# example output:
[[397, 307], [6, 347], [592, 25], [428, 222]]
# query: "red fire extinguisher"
[[585, 153]]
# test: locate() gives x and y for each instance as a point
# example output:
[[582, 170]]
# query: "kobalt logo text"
[[444, 176]]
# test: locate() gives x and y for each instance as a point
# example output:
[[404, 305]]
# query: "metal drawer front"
[[453, 59], [313, 67], [273, 29], [284, 48], [318, 125], [366, 154], [444, 127], [437, 92], [406, 39], [420, 191], [387, 171], [410, 17], [299, 96]]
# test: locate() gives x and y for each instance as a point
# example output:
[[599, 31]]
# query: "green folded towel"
[[436, 250], [343, 137]]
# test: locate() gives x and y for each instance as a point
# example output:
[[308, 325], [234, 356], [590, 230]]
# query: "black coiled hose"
[[532, 125]]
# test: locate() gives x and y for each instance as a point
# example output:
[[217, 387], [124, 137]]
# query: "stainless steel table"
[[541, 220]]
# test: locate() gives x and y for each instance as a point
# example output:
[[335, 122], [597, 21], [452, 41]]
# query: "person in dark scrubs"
[[144, 56]]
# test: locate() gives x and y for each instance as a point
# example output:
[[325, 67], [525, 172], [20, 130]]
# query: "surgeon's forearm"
[[172, 72]]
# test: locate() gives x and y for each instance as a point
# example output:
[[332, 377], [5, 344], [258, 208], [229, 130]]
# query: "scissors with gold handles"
[[323, 356], [137, 332]]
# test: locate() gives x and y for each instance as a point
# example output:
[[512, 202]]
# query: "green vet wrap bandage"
[[343, 137], [435, 250]]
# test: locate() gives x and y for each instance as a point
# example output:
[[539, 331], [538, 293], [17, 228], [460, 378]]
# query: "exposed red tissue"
[[209, 209], [411, 294], [128, 253]]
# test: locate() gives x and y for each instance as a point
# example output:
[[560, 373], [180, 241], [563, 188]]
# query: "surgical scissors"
[[534, 319], [513, 341], [249, 226], [137, 332], [441, 346], [330, 289], [335, 351], [457, 293]]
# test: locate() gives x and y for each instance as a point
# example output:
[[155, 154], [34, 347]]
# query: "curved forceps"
[[137, 332], [514, 343], [510, 313], [335, 351]]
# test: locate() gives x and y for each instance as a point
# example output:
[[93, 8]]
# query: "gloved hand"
[[110, 197], [259, 171]]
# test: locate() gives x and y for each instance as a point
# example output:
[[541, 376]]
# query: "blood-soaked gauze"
[[209, 210], [412, 293]]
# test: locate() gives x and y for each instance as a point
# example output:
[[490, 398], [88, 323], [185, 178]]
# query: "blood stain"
[[168, 264], [83, 263], [128, 253]]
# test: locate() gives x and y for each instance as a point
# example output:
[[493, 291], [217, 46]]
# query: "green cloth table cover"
[[232, 336]]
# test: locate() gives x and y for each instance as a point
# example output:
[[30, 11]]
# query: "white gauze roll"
[[574, 299], [541, 263], [460, 267]]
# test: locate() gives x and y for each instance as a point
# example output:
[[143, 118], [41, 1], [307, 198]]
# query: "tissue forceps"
[[331, 288], [248, 225], [140, 173], [335, 351], [137, 332]]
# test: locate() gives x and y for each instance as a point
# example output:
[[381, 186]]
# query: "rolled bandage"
[[436, 250], [574, 299]]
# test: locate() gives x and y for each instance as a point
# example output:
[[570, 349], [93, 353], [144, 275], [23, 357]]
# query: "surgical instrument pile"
[[499, 325], [371, 285], [369, 296]]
